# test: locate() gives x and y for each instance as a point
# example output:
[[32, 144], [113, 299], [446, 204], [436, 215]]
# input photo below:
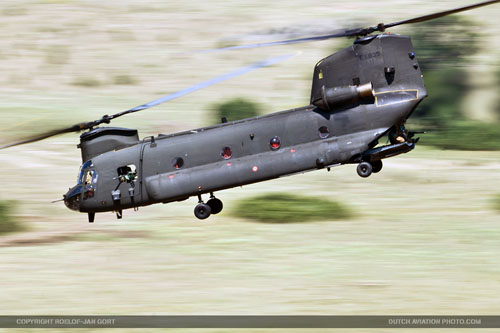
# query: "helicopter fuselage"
[[342, 125]]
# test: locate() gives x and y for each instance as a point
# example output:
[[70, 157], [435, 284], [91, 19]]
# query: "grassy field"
[[424, 240], [425, 237]]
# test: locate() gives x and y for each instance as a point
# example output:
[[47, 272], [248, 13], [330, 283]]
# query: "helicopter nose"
[[72, 198]]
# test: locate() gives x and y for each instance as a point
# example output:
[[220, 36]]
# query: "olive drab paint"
[[358, 95]]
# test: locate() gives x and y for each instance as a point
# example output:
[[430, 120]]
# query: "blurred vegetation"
[[466, 135], [124, 80], [496, 203], [122, 35], [498, 95], [446, 88], [445, 42], [236, 109], [7, 221], [57, 55], [88, 82], [288, 208], [442, 48], [14, 10]]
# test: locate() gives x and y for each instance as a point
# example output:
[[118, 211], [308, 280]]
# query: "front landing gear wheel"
[[215, 205], [202, 211], [377, 166], [364, 169]]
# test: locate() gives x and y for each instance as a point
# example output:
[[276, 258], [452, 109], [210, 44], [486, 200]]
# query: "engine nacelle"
[[332, 98]]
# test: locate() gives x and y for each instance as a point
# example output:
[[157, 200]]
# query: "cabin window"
[[323, 132], [226, 153], [275, 143], [127, 173], [177, 162]]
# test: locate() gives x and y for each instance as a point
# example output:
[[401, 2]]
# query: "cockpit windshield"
[[87, 176]]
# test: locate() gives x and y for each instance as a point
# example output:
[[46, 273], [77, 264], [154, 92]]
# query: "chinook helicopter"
[[359, 94]]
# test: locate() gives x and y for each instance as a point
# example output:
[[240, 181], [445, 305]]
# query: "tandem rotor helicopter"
[[359, 94]]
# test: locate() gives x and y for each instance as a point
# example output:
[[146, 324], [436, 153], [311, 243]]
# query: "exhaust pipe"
[[343, 96]]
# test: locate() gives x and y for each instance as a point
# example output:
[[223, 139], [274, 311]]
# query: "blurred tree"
[[236, 109], [496, 202], [7, 222], [442, 47], [466, 135], [498, 96], [446, 88], [444, 42], [290, 208]]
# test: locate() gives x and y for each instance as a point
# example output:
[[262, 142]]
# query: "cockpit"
[[87, 176], [86, 184]]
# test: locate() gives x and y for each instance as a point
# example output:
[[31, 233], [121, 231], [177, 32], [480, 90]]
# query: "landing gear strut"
[[204, 210]]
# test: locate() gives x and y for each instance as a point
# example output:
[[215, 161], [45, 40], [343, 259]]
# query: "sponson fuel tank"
[[104, 139]]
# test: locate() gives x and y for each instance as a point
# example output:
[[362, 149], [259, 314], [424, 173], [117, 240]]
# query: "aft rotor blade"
[[106, 119], [360, 31], [440, 14], [283, 42]]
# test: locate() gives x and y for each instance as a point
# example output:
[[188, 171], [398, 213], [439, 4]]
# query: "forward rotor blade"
[[74, 128], [205, 84], [360, 31], [106, 119]]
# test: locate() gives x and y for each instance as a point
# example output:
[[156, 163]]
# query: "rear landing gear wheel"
[[364, 169], [377, 166], [202, 211], [215, 205]]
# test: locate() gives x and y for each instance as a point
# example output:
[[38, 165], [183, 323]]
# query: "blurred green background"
[[423, 237]]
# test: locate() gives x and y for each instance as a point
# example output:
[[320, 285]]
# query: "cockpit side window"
[[82, 174], [90, 177]]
